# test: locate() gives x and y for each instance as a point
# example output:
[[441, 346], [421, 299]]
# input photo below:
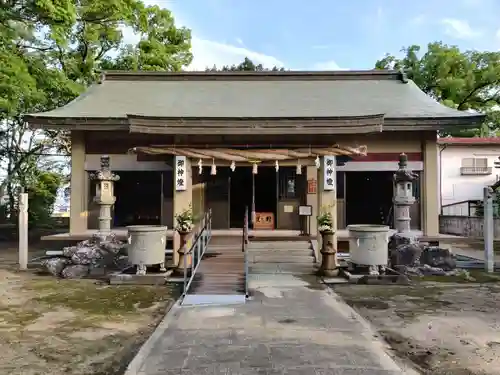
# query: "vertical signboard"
[[180, 176], [329, 174]]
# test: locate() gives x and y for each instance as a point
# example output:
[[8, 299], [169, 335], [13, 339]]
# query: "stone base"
[[389, 278], [328, 273], [120, 278]]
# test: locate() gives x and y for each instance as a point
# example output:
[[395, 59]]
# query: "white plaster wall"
[[127, 162], [454, 186]]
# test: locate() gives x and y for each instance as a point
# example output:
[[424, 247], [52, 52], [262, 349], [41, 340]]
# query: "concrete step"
[[281, 268], [270, 258], [281, 253], [280, 245]]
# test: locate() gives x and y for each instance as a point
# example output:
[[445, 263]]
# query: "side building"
[[467, 166]]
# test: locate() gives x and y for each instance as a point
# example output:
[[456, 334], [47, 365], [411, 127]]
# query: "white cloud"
[[207, 53], [327, 65], [459, 29]]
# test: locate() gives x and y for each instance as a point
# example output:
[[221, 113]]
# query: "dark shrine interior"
[[242, 181], [369, 197], [138, 199]]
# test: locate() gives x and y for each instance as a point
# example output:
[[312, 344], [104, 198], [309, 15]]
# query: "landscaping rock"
[[77, 271], [55, 265], [438, 257]]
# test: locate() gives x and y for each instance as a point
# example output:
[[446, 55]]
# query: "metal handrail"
[[244, 246], [197, 250]]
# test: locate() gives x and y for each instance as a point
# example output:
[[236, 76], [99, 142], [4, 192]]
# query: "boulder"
[[438, 257], [55, 265], [77, 271]]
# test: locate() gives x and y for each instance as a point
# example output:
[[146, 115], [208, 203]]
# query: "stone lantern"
[[403, 196], [104, 195]]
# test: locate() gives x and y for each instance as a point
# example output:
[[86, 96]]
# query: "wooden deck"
[[221, 272]]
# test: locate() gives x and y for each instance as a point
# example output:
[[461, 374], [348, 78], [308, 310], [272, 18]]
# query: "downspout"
[[441, 149]]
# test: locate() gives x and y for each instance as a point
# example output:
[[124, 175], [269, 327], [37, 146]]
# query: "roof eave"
[[186, 125]]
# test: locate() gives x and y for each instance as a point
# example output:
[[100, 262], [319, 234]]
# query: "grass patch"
[[470, 276], [92, 298]]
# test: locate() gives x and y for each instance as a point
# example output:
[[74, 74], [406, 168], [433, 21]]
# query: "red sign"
[[312, 186]]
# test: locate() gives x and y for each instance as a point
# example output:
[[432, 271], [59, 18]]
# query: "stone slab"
[[301, 329], [131, 279], [212, 299]]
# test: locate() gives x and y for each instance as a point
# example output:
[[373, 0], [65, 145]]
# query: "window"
[[475, 166], [475, 162]]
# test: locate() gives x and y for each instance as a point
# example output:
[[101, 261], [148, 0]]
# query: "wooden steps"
[[221, 272]]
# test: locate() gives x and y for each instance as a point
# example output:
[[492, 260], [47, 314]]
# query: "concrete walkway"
[[290, 327]]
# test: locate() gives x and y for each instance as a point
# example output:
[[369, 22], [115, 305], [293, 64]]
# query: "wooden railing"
[[244, 245], [199, 245]]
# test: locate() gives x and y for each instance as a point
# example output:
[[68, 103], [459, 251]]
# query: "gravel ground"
[[442, 328], [51, 326]]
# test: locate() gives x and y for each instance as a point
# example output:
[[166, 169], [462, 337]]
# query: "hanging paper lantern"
[[299, 168], [213, 170], [254, 168], [232, 166], [200, 166], [317, 161], [276, 165]]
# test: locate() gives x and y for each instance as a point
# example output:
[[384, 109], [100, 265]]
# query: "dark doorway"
[[241, 182], [368, 197], [245, 185], [138, 199]]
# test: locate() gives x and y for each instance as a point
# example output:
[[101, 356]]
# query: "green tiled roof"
[[254, 95]]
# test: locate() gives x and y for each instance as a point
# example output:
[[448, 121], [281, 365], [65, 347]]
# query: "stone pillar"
[[181, 201], [78, 198], [403, 196], [105, 197], [430, 196], [328, 198], [312, 199]]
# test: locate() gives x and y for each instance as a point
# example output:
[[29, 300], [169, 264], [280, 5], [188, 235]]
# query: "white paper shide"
[[180, 178], [329, 173]]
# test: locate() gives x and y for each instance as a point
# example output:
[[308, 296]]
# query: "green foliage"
[[465, 80], [51, 50], [41, 197], [246, 65]]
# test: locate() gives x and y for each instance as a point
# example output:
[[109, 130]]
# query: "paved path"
[[290, 328]]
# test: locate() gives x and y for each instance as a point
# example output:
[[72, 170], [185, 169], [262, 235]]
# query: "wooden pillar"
[[328, 198], [430, 196], [181, 201], [78, 198]]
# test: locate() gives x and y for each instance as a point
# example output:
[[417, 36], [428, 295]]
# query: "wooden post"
[[23, 231]]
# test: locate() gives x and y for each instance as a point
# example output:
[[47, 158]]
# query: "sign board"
[[264, 220], [305, 210], [329, 173], [180, 177], [312, 186], [288, 209]]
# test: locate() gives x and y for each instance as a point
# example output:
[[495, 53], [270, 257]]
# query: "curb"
[[392, 363], [134, 367]]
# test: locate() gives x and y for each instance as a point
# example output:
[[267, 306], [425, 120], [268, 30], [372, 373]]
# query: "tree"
[[467, 80], [246, 65], [42, 193], [50, 51]]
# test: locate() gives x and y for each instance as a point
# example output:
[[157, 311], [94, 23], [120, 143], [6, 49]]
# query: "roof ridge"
[[251, 75]]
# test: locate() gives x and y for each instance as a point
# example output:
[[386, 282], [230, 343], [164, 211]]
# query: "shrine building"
[[272, 141]]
